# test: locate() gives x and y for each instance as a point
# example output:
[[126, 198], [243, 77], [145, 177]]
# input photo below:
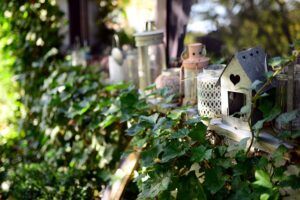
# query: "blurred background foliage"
[[52, 144], [273, 24], [62, 130]]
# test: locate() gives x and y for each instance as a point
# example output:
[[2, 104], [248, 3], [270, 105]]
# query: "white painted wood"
[[242, 86], [267, 142]]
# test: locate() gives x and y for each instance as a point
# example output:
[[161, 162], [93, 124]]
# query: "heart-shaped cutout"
[[235, 79]]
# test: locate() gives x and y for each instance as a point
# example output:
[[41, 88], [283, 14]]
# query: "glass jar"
[[130, 66], [151, 54], [281, 99], [208, 92]]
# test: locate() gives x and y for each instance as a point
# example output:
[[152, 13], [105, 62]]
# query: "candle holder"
[[194, 61], [209, 93]]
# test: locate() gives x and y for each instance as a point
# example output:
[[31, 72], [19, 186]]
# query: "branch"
[[256, 97]]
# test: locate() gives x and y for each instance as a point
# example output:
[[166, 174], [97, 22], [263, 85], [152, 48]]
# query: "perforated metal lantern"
[[208, 92], [288, 96], [194, 61], [151, 54]]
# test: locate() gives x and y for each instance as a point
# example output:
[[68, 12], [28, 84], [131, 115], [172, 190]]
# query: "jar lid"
[[148, 38], [198, 63], [214, 69]]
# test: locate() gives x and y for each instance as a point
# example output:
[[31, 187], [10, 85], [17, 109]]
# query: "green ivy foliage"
[[77, 129], [81, 141], [31, 36], [179, 161]]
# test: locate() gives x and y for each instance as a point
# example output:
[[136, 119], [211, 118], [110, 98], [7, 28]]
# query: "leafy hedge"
[[84, 138], [76, 130], [80, 143]]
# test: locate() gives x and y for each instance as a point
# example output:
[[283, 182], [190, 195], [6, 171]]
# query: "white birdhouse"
[[236, 80]]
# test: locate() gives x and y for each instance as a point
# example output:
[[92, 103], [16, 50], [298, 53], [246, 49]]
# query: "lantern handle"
[[181, 82], [203, 52], [185, 54], [116, 41]]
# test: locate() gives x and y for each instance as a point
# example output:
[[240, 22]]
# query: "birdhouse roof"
[[253, 62]]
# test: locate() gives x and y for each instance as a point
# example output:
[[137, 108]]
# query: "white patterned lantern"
[[208, 92]]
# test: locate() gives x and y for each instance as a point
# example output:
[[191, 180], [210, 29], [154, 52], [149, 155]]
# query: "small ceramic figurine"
[[194, 61]]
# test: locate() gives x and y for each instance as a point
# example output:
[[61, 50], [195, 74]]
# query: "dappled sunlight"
[[152, 99]]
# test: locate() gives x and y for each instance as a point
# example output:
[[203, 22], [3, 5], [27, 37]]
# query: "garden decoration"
[[115, 60], [78, 57], [194, 61], [209, 94], [151, 54], [288, 97], [130, 66], [169, 78], [236, 80]]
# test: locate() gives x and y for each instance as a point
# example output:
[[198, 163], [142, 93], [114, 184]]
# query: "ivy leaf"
[[246, 109], [172, 150], [288, 116], [163, 123], [241, 189], [175, 114], [277, 61], [214, 180], [114, 87], [264, 196], [112, 109], [84, 106], [108, 121], [262, 179], [135, 129], [292, 181], [180, 133], [275, 111], [190, 188], [148, 156], [295, 134], [198, 154], [255, 85], [155, 185], [258, 125], [195, 120], [278, 156], [150, 119], [151, 87], [296, 44], [269, 74], [198, 132]]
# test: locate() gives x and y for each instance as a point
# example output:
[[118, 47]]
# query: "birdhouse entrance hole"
[[236, 101]]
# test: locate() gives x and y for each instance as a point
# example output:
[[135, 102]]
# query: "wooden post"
[[178, 12]]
